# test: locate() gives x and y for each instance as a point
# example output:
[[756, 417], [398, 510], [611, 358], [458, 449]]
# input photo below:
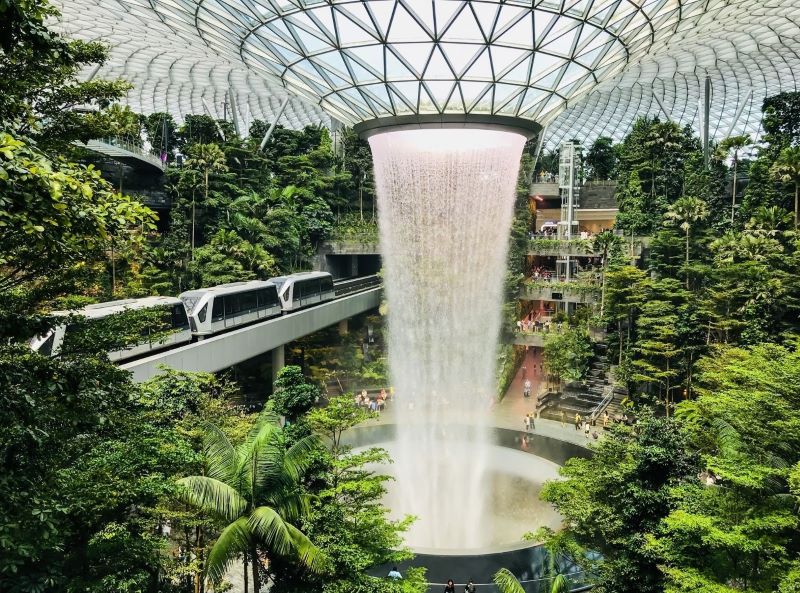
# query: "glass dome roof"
[[581, 67]]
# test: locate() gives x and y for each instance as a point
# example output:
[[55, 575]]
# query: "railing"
[[607, 397], [131, 147], [353, 285], [576, 580]]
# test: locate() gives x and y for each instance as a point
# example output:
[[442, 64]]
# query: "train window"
[[230, 305], [247, 301], [267, 297], [201, 314], [327, 284], [218, 310], [179, 319]]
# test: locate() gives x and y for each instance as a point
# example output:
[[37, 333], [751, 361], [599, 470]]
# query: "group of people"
[[450, 587], [588, 424], [530, 325], [540, 273], [376, 404]]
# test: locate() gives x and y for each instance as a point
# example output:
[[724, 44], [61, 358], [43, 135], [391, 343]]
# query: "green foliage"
[[567, 354], [251, 489], [741, 532], [614, 499], [347, 520], [293, 395], [601, 158], [39, 82], [539, 245], [352, 228]]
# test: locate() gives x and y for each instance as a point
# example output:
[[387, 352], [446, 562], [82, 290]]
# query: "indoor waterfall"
[[445, 205]]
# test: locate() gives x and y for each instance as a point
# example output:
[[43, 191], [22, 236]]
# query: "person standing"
[[605, 419], [532, 420], [450, 587], [394, 574], [469, 587], [577, 421], [524, 371], [527, 422], [563, 419], [526, 391]]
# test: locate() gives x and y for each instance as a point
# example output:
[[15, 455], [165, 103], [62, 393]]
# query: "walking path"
[[510, 412]]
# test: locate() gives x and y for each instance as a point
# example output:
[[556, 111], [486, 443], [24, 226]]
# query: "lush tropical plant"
[[786, 169], [206, 158], [735, 144], [606, 243], [687, 212], [252, 489]]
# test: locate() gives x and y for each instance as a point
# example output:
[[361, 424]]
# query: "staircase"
[[581, 397]]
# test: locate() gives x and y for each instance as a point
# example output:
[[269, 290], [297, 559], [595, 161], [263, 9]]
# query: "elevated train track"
[[353, 296]]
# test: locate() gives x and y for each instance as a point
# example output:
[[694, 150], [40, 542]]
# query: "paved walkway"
[[510, 412]]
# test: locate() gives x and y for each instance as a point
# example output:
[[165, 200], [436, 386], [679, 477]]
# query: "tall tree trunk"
[[361, 198], [603, 287], [687, 259], [254, 563], [796, 211], [245, 573], [733, 191], [619, 333], [113, 270], [666, 395]]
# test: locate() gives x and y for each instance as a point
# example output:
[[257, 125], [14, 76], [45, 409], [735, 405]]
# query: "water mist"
[[445, 205]]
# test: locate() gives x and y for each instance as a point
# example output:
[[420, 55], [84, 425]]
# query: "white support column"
[[344, 328], [278, 361], [278, 115]]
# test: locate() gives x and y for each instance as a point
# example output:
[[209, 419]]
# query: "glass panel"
[[202, 314], [218, 311], [179, 318], [247, 301]]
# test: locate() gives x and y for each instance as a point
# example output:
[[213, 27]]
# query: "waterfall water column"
[[445, 206]]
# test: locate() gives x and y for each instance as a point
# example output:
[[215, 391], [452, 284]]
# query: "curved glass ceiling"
[[581, 67]]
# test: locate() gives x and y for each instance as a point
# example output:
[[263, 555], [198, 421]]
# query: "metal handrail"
[[598, 409], [352, 285], [130, 147]]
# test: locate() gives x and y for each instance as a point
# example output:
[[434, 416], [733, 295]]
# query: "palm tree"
[[506, 582], [663, 139], [605, 243], [768, 221], [207, 158], [735, 144], [685, 212], [787, 169], [252, 488]]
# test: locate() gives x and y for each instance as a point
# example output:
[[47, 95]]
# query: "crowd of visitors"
[[450, 586], [376, 403], [529, 325]]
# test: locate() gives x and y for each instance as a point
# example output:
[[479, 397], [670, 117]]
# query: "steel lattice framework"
[[583, 68]]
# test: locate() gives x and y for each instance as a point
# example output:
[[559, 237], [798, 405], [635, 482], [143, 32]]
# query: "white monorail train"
[[51, 342], [223, 307], [198, 314], [304, 289]]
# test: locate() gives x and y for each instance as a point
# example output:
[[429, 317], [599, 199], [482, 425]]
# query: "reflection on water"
[[511, 481]]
